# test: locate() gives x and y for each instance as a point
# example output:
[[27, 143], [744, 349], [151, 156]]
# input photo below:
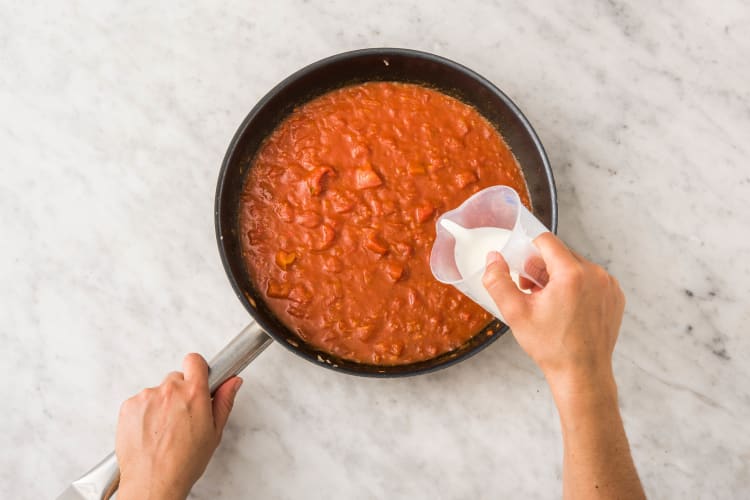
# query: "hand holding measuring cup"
[[493, 219]]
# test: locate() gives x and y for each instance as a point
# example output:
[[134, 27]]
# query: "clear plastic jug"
[[492, 219]]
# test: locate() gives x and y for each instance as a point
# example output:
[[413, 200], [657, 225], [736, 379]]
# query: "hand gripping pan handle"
[[101, 482]]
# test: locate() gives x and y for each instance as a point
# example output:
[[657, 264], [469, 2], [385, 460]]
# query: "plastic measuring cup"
[[493, 207]]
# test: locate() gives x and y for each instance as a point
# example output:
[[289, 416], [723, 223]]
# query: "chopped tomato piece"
[[341, 202], [462, 127], [373, 243], [403, 249], [394, 271], [325, 237], [376, 246], [297, 312], [425, 211], [389, 207], [463, 179], [315, 181], [285, 211], [285, 259], [364, 333], [397, 348], [300, 294], [332, 265], [309, 219], [365, 178], [277, 290]]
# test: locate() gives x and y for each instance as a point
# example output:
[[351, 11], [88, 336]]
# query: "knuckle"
[[145, 394], [602, 276], [489, 279], [194, 392], [168, 388], [127, 405], [512, 311], [576, 275]]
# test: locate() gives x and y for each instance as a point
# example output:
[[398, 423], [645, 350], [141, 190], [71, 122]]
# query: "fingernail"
[[237, 385], [492, 257]]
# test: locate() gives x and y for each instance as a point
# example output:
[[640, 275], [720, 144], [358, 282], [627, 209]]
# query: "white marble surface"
[[114, 117]]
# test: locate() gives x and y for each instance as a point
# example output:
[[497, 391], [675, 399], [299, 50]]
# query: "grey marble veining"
[[114, 118]]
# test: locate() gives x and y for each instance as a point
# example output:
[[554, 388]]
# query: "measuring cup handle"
[[532, 252]]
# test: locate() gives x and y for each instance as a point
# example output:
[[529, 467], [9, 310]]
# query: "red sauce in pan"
[[338, 215]]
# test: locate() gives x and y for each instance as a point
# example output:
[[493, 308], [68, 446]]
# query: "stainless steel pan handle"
[[101, 482]]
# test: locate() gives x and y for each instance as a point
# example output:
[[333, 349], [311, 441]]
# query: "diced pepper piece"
[[416, 169], [365, 178], [285, 259], [341, 202], [315, 180], [277, 290], [424, 211]]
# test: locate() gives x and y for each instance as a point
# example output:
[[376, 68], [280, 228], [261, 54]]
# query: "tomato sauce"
[[338, 212]]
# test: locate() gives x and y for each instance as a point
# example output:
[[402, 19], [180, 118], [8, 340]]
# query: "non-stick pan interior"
[[356, 67]]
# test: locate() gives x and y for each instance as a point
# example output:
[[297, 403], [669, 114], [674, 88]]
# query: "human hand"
[[569, 327], [166, 435]]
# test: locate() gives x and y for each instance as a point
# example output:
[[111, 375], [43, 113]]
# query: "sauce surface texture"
[[338, 212]]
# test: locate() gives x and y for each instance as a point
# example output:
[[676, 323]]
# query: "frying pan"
[[380, 64]]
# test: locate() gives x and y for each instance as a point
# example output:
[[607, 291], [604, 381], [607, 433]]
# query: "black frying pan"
[[320, 77], [356, 67]]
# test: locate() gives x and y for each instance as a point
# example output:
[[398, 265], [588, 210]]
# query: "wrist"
[[144, 487], [577, 389]]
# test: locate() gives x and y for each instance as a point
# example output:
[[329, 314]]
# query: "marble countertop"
[[114, 118]]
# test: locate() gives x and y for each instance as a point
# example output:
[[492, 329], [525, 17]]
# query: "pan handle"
[[101, 482], [236, 355]]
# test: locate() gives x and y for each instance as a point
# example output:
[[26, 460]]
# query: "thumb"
[[509, 299], [224, 401]]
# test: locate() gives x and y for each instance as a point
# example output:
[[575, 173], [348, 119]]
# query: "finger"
[[555, 254], [177, 376], [224, 402], [196, 370], [509, 299]]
